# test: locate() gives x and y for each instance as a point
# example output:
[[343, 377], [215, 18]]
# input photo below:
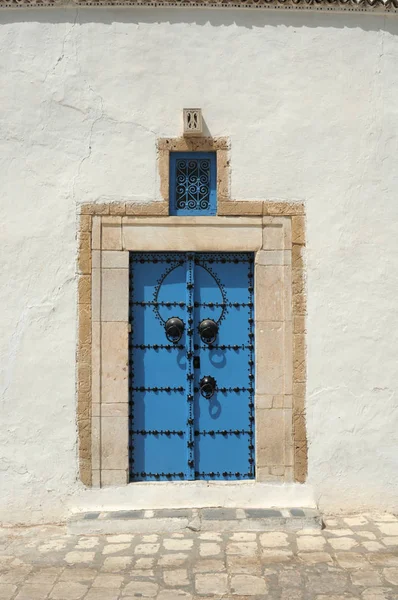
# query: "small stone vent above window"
[[193, 181]]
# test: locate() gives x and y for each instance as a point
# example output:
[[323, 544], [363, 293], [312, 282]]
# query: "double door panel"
[[177, 431]]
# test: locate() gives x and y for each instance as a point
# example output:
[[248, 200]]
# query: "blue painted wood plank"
[[175, 432]]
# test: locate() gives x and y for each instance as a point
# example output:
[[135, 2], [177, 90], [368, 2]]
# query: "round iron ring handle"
[[207, 386], [208, 330], [174, 329]]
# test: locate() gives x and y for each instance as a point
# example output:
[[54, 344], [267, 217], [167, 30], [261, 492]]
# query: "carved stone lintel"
[[318, 5]]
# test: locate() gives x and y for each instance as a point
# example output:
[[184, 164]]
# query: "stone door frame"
[[275, 233]]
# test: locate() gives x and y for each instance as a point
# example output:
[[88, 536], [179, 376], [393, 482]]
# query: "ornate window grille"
[[193, 181]]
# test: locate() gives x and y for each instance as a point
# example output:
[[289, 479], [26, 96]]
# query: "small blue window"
[[193, 181]]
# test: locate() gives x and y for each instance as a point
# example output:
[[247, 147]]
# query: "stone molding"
[[372, 6], [107, 233], [160, 208]]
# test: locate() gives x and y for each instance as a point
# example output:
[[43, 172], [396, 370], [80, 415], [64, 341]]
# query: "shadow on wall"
[[223, 17]]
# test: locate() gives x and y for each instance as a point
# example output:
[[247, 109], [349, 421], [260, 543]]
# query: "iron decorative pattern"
[[193, 183], [378, 6], [175, 433]]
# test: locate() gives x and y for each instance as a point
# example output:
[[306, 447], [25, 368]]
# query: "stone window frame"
[[219, 145], [275, 231]]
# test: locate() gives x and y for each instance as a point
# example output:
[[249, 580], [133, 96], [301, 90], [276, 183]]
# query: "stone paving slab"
[[206, 519], [354, 558]]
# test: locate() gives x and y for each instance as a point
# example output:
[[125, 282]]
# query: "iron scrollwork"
[[193, 184]]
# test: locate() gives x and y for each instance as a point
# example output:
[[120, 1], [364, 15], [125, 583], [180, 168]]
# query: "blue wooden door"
[[191, 366]]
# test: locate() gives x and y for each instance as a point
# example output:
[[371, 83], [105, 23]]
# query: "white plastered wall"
[[309, 102]]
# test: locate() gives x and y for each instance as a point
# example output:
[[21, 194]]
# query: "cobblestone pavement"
[[354, 557]]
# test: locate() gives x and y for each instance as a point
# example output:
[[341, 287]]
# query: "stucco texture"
[[309, 102]]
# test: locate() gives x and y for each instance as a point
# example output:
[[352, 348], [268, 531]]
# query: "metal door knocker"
[[207, 386], [174, 329], [208, 330]]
